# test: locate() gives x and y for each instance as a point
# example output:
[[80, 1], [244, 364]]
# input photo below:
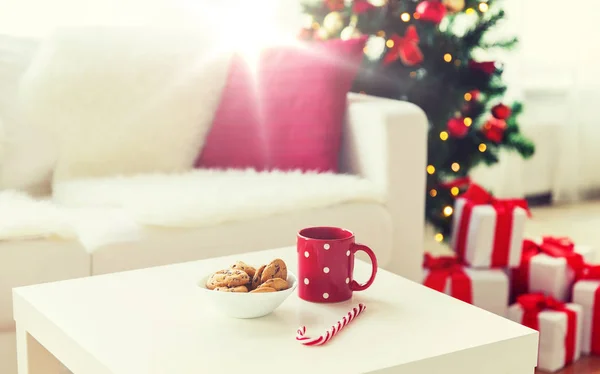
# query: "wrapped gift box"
[[560, 327], [484, 288], [550, 266], [586, 293], [488, 232]]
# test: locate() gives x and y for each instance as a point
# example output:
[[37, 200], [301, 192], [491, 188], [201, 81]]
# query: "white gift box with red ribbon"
[[549, 269], [586, 292], [488, 236], [484, 288], [558, 345]]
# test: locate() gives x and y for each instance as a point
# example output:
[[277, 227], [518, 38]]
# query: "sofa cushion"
[[160, 246], [211, 197], [285, 109], [125, 100], [26, 156]]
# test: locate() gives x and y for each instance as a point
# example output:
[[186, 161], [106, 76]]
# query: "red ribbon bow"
[[534, 304], [590, 272], [406, 48], [552, 246], [556, 247], [443, 268], [477, 195], [593, 273]]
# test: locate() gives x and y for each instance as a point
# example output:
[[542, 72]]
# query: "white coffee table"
[[156, 321]]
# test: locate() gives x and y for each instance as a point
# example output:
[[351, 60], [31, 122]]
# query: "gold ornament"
[[454, 6], [378, 2], [323, 34], [350, 32], [333, 23]]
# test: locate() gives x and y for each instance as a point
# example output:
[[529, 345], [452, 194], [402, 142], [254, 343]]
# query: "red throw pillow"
[[286, 110]]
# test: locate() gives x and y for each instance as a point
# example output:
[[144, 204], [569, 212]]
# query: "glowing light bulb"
[[444, 135], [468, 121], [468, 96], [430, 169], [316, 25], [381, 33], [482, 147], [439, 237], [483, 7], [454, 191], [389, 43], [455, 167], [447, 57], [448, 211], [433, 192], [405, 17], [470, 11], [416, 15]]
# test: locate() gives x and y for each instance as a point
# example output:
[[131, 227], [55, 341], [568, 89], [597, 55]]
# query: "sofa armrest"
[[385, 141]]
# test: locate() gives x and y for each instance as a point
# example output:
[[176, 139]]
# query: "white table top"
[[156, 321]]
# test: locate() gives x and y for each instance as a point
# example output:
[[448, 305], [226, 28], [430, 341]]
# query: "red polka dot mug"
[[326, 264]]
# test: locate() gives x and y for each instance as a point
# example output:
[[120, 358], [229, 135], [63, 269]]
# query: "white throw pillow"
[[26, 154], [122, 101]]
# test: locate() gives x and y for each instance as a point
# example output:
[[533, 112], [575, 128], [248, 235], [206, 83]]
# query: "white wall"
[[38, 17], [557, 77]]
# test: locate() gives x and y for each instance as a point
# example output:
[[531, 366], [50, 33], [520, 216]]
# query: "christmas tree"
[[429, 52]]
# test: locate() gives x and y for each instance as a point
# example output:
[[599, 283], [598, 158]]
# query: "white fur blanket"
[[210, 197], [23, 218]]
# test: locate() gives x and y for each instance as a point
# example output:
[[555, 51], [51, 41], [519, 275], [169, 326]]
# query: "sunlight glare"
[[252, 27]]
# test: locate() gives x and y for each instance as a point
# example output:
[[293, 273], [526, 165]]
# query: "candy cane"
[[305, 340]]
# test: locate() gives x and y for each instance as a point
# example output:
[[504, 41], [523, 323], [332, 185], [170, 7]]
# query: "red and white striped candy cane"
[[320, 340]]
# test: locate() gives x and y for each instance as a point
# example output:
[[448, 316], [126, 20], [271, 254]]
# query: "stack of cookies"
[[241, 277]]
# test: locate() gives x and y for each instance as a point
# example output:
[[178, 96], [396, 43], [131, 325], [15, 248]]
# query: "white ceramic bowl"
[[247, 305]]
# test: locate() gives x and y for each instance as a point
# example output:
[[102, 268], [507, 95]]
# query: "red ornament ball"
[[431, 11], [494, 129], [487, 67], [457, 127], [501, 111], [362, 6]]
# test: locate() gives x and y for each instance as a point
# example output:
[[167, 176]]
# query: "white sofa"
[[380, 198]]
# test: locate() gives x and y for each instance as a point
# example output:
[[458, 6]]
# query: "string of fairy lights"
[[448, 210]]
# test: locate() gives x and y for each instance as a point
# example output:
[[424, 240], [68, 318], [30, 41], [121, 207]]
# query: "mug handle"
[[354, 285]]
